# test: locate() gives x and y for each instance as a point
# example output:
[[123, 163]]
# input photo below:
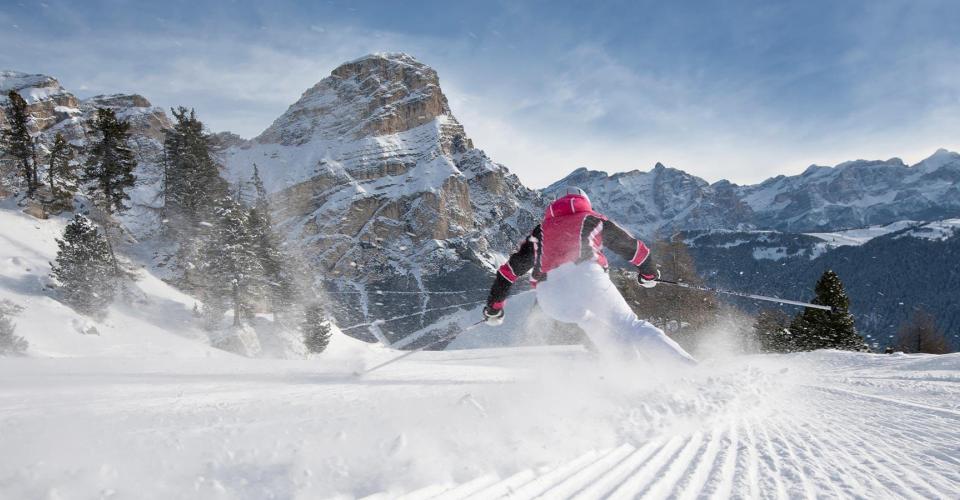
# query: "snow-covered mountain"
[[378, 186], [850, 195], [659, 202]]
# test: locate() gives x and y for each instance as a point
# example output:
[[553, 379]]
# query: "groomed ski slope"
[[514, 422]]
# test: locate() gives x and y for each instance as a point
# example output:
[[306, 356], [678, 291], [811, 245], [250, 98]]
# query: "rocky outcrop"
[[54, 110], [46, 99]]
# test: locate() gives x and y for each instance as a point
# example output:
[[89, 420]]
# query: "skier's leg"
[[583, 294], [613, 318]]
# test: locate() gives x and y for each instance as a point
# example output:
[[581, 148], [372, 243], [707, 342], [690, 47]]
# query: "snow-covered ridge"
[[820, 200]]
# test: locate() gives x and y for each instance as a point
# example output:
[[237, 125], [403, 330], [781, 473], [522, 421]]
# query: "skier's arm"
[[519, 264], [624, 244]]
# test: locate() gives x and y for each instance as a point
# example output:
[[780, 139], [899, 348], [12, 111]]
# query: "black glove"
[[647, 273], [493, 317]]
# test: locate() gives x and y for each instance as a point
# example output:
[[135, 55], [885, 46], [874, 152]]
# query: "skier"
[[568, 247]]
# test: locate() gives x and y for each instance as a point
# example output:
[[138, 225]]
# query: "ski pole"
[[745, 295], [414, 351]]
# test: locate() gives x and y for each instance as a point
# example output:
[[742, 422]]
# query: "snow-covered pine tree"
[[192, 182], [84, 268], [192, 190], [279, 285], [228, 264], [772, 331], [59, 168], [16, 141], [110, 162], [819, 329], [316, 329], [10, 343]]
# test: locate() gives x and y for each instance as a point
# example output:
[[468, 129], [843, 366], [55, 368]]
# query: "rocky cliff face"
[[55, 110], [850, 195], [378, 186]]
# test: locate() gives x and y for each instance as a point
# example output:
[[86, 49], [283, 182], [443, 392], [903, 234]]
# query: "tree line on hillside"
[[228, 253]]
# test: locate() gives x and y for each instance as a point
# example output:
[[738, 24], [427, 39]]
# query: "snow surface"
[[148, 318], [856, 237], [529, 421], [935, 231]]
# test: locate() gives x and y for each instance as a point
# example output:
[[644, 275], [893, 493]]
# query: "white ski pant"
[[583, 294]]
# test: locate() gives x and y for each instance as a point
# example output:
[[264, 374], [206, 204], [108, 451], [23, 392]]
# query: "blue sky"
[[739, 90]]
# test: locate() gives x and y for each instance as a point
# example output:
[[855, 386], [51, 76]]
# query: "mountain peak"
[[32, 87], [937, 160], [397, 57], [375, 95]]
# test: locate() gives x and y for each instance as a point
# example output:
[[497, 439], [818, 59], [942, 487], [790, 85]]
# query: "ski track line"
[[944, 461], [426, 492], [669, 480], [882, 469], [649, 471], [924, 393], [721, 485], [875, 472], [694, 483], [505, 488], [469, 488], [585, 476], [879, 456], [812, 462], [775, 460], [559, 473], [750, 464], [621, 472], [931, 460], [839, 459], [870, 471], [800, 469], [916, 406]]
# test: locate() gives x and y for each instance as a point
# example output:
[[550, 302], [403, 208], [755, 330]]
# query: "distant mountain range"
[[850, 195], [377, 185]]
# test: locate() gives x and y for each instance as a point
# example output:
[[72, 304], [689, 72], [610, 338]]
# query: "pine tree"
[[10, 343], [229, 266], [772, 331], [16, 141], [110, 162], [192, 182], [278, 283], [316, 329], [820, 329], [259, 190], [84, 268], [59, 167], [921, 334]]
